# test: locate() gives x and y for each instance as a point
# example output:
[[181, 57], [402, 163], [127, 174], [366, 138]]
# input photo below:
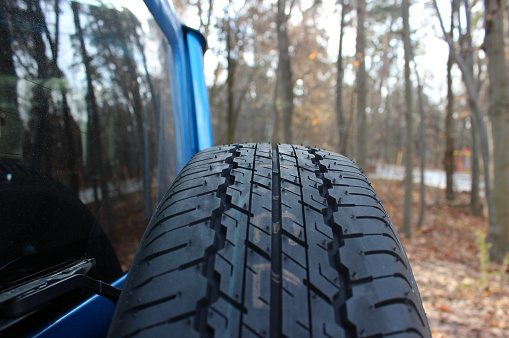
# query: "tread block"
[[295, 309], [324, 324], [372, 256], [257, 293], [348, 217], [155, 303], [381, 300], [291, 221], [235, 223], [211, 177], [229, 265], [223, 319], [294, 250], [198, 235], [188, 244]]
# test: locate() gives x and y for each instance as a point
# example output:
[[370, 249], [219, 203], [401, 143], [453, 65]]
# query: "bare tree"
[[407, 208], [275, 113], [233, 54], [97, 166], [231, 65], [494, 46], [422, 146], [285, 81], [468, 55], [496, 172], [475, 200], [340, 117], [449, 138], [472, 92], [361, 137], [205, 23], [11, 125]]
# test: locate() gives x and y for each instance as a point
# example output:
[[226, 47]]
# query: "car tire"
[[251, 241]]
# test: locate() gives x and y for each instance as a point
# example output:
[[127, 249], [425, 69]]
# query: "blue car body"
[[192, 118]]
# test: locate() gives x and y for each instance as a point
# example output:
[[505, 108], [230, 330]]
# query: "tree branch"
[[459, 61]]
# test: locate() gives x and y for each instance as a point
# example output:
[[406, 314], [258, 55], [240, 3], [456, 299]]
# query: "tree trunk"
[[475, 202], [140, 112], [407, 208], [342, 127], [449, 138], [422, 149], [242, 96], [275, 113], [73, 147], [468, 56], [494, 45], [40, 156], [11, 126], [284, 67], [97, 166], [153, 94], [205, 25], [361, 137], [230, 134], [349, 128]]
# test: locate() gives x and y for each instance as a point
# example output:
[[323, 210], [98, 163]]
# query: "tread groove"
[[171, 320], [248, 244], [276, 292], [165, 218], [213, 288], [149, 304], [344, 293], [163, 252]]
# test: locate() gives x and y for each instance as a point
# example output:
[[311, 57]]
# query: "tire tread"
[[257, 242]]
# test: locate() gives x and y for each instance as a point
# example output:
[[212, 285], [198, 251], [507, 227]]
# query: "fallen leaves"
[[445, 308], [315, 121], [313, 55]]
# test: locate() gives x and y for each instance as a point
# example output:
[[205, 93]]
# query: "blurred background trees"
[[338, 76]]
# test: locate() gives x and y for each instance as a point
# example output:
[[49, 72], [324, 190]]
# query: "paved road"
[[432, 178]]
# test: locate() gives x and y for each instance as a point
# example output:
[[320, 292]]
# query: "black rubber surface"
[[251, 241]]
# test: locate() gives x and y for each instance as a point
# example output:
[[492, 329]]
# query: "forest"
[[413, 91]]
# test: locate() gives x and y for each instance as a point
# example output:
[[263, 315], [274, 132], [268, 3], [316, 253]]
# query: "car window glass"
[[86, 98]]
